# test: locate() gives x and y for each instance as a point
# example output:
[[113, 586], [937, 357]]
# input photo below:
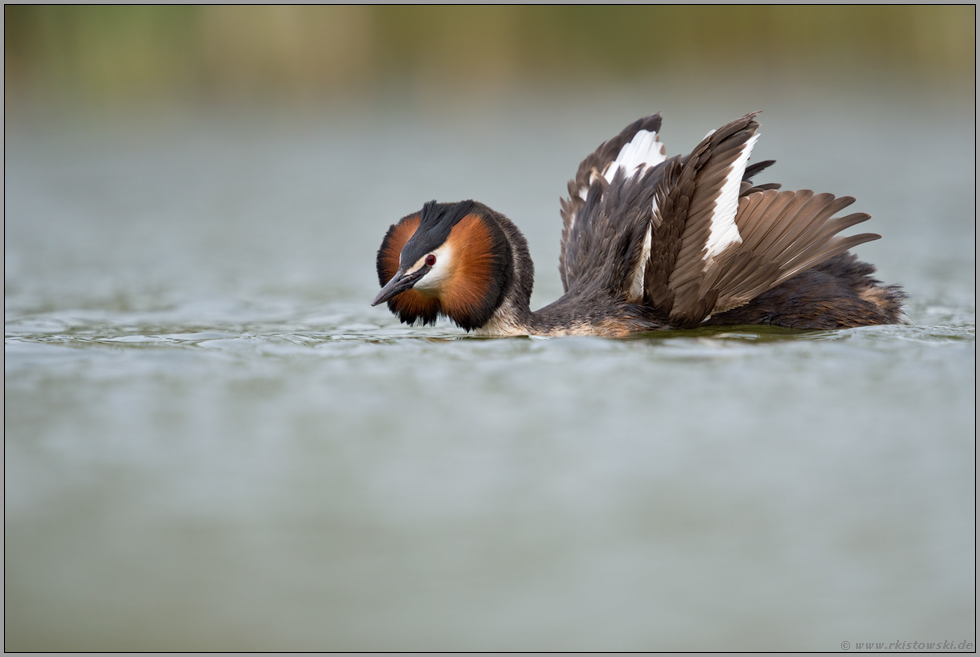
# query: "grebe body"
[[648, 243]]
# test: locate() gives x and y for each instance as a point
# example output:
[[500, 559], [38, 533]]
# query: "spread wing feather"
[[692, 236], [637, 145]]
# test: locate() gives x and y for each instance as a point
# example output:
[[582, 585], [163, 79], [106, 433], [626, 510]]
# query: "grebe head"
[[450, 259]]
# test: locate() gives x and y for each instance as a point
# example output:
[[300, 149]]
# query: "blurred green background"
[[120, 54]]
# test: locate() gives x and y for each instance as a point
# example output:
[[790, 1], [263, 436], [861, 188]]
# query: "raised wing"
[[691, 236], [716, 241], [636, 149]]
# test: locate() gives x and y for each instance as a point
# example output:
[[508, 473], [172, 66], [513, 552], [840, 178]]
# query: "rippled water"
[[212, 441]]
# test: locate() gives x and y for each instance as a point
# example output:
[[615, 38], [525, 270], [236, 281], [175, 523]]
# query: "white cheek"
[[433, 281]]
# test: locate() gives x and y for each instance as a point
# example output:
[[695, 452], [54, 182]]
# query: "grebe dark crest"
[[649, 243]]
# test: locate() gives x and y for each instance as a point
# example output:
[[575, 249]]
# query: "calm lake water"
[[213, 442]]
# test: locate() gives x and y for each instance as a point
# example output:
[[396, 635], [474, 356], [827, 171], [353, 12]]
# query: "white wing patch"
[[723, 231], [644, 150], [636, 286]]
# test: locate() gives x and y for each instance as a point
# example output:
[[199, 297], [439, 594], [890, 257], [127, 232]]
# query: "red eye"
[[430, 260]]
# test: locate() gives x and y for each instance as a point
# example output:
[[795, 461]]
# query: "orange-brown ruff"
[[469, 275], [648, 243]]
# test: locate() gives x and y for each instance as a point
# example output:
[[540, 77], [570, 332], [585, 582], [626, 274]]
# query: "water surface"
[[212, 441]]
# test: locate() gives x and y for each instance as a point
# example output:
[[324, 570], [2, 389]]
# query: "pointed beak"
[[399, 283]]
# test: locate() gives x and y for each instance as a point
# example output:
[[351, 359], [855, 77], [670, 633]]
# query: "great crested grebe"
[[649, 243]]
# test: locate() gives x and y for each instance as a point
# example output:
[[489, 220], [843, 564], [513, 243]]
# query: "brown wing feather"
[[667, 227], [782, 233], [701, 181]]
